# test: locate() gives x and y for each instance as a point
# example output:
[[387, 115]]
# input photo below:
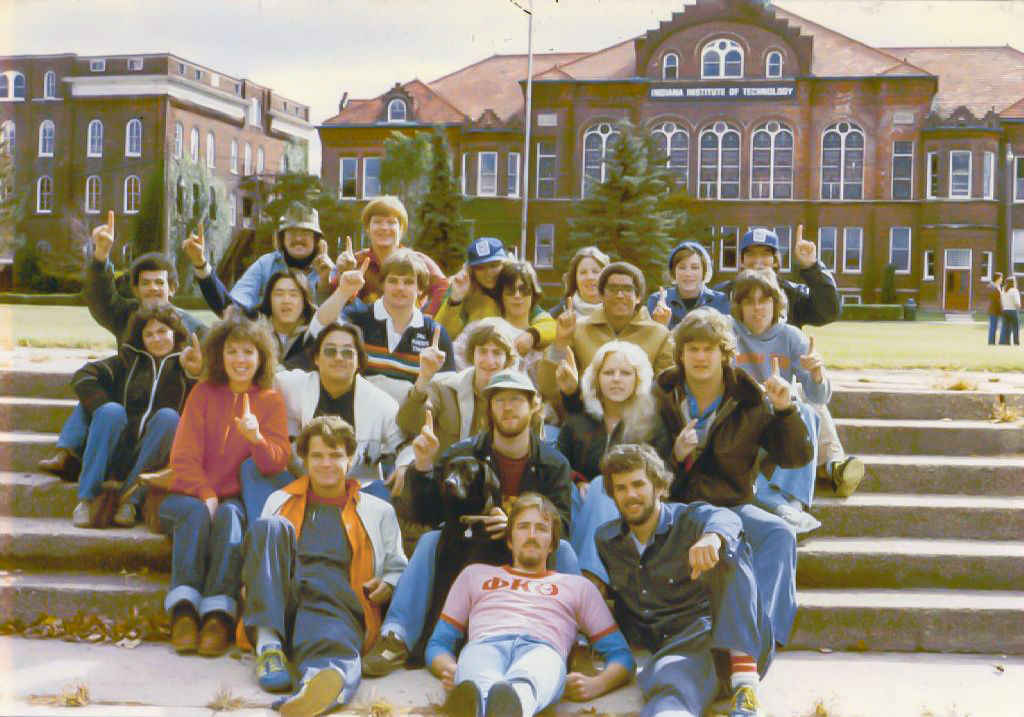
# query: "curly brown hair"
[[629, 457], [333, 430], [165, 314], [239, 328]]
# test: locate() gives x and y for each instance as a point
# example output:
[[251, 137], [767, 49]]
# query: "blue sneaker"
[[272, 671], [745, 703]]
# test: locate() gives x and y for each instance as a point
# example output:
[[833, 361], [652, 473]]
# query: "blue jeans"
[[793, 482], [408, 610], [256, 487], [74, 432], [993, 324], [1011, 329], [773, 547], [105, 448], [206, 559], [595, 510], [533, 667]]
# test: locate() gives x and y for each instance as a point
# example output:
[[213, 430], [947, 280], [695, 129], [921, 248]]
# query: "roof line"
[[596, 52], [440, 95], [491, 57]]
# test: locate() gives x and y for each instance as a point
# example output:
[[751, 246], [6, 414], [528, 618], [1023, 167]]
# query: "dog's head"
[[469, 487]]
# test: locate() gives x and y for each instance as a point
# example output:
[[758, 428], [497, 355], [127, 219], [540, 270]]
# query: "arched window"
[[260, 160], [95, 147], [8, 134], [720, 162], [771, 162], [44, 195], [670, 66], [721, 58], [46, 135], [133, 138], [193, 144], [773, 64], [397, 111], [132, 194], [255, 112], [842, 162], [597, 143], [247, 159], [5, 86], [50, 85], [179, 140], [19, 85], [673, 145], [211, 150], [92, 195], [234, 156]]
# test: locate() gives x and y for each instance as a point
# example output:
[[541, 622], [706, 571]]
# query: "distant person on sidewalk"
[[1010, 300], [995, 306]]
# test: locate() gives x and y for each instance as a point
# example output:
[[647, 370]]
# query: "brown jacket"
[[453, 406]]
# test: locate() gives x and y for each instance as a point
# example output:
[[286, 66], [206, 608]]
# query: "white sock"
[[266, 639]]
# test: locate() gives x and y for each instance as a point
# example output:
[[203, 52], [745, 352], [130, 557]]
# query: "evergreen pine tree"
[[443, 233], [623, 215], [405, 168]]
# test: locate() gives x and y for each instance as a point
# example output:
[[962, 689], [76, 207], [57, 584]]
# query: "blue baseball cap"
[[485, 250], [759, 237]]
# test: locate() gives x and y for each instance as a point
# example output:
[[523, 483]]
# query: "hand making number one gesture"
[[426, 445], [191, 358], [352, 281], [567, 375], [460, 284], [813, 363], [662, 313], [322, 263], [686, 441], [565, 328], [806, 252], [195, 248], [103, 238], [248, 425], [347, 258], [777, 388], [432, 358]]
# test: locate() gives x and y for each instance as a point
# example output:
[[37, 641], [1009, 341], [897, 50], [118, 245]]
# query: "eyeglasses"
[[620, 289], [517, 290], [333, 351]]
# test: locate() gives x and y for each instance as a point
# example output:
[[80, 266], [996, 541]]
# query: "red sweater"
[[208, 448]]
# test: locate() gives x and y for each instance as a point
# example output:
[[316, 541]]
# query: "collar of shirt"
[[665, 517], [381, 314]]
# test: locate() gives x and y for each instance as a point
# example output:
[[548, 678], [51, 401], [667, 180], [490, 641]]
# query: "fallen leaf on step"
[[826, 650], [999, 668], [128, 643]]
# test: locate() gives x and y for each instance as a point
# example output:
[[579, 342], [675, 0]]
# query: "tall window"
[[988, 175], [544, 246], [933, 175], [132, 194], [397, 111], [721, 58], [5, 87], [261, 160], [670, 66], [597, 144], [959, 175], [720, 162], [211, 150], [853, 249], [347, 178], [1018, 251], [673, 145], [512, 177], [546, 168], [487, 174], [232, 209], [19, 86], [133, 138], [255, 112], [212, 212], [44, 195], [902, 170], [729, 248], [247, 159], [771, 162], [95, 146], [50, 85], [234, 156], [899, 249], [46, 135], [827, 247], [928, 270], [92, 195], [179, 140], [193, 144], [773, 64], [785, 235], [8, 134], [842, 162], [371, 177], [986, 265], [1018, 175]]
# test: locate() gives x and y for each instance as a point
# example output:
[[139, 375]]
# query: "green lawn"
[[850, 344]]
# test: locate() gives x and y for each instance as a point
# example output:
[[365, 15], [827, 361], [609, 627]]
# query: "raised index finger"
[[691, 425], [366, 264], [195, 342], [570, 357], [661, 296], [199, 232], [348, 244], [775, 366], [321, 247], [428, 421], [245, 404], [437, 336], [799, 232], [110, 220], [810, 345]]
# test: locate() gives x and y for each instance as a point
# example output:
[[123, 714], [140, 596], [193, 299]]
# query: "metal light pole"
[[526, 140], [1009, 209]]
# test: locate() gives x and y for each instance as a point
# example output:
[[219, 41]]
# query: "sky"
[[312, 51]]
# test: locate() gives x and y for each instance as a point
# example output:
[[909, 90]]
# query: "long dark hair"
[[165, 314], [308, 307]]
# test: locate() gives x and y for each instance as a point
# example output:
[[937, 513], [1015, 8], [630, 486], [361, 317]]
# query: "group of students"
[[656, 451]]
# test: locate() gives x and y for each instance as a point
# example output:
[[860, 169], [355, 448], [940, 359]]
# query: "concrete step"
[[36, 383], [945, 438], [27, 595], [22, 450], [933, 405], [921, 516], [36, 414], [977, 621], [55, 544], [34, 495], [967, 475], [910, 563]]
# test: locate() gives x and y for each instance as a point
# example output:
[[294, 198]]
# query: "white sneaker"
[[125, 516], [80, 517], [799, 519]]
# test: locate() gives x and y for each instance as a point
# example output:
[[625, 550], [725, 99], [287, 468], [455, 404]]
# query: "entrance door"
[[957, 289]]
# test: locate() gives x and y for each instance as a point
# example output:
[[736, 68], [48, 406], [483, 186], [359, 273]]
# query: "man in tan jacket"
[[622, 317]]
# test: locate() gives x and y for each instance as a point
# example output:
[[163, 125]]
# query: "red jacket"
[[208, 448]]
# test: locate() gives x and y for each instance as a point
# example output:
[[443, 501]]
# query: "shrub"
[[872, 312]]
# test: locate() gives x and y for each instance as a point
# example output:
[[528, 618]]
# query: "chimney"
[[344, 102]]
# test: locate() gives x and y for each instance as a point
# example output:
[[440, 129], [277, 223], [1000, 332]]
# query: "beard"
[[519, 427], [531, 562], [294, 263], [645, 515]]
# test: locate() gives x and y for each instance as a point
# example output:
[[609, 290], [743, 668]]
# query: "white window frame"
[[179, 140], [722, 46], [211, 149], [232, 209], [720, 130], [89, 151], [894, 178], [261, 160], [47, 140], [193, 144], [780, 130], [552, 180], [366, 194], [785, 235], [547, 241], [128, 138], [354, 163], [850, 233], [392, 114], [953, 175], [93, 190], [462, 175], [988, 175], [910, 248], [97, 65], [721, 248], [247, 159], [1018, 179], [512, 175], [132, 200], [929, 254], [491, 190], [931, 172], [255, 112], [48, 208], [673, 66], [851, 130], [234, 156], [50, 85], [668, 131], [8, 136], [1017, 252], [851, 299], [822, 232], [607, 133], [987, 265], [134, 64], [768, 65]]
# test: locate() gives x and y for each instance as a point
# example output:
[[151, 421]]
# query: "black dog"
[[469, 488]]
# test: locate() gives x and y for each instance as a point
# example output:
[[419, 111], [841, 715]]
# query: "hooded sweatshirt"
[[785, 342]]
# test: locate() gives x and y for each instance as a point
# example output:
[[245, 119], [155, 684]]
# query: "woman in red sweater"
[[232, 415]]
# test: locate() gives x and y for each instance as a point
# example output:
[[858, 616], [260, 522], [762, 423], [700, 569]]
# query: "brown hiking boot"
[[213, 637], [184, 630], [64, 464]]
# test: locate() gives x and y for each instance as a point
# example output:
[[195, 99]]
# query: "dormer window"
[[773, 64], [670, 66], [397, 111], [721, 58]]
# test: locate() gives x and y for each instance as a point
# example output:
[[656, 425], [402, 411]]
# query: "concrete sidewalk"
[[151, 680]]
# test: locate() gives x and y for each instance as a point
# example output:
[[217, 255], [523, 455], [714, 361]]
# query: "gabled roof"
[[611, 63], [430, 106]]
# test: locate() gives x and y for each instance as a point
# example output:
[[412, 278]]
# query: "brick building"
[[90, 134], [908, 155]]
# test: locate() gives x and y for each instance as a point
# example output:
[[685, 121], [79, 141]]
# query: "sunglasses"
[[517, 290], [333, 352]]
